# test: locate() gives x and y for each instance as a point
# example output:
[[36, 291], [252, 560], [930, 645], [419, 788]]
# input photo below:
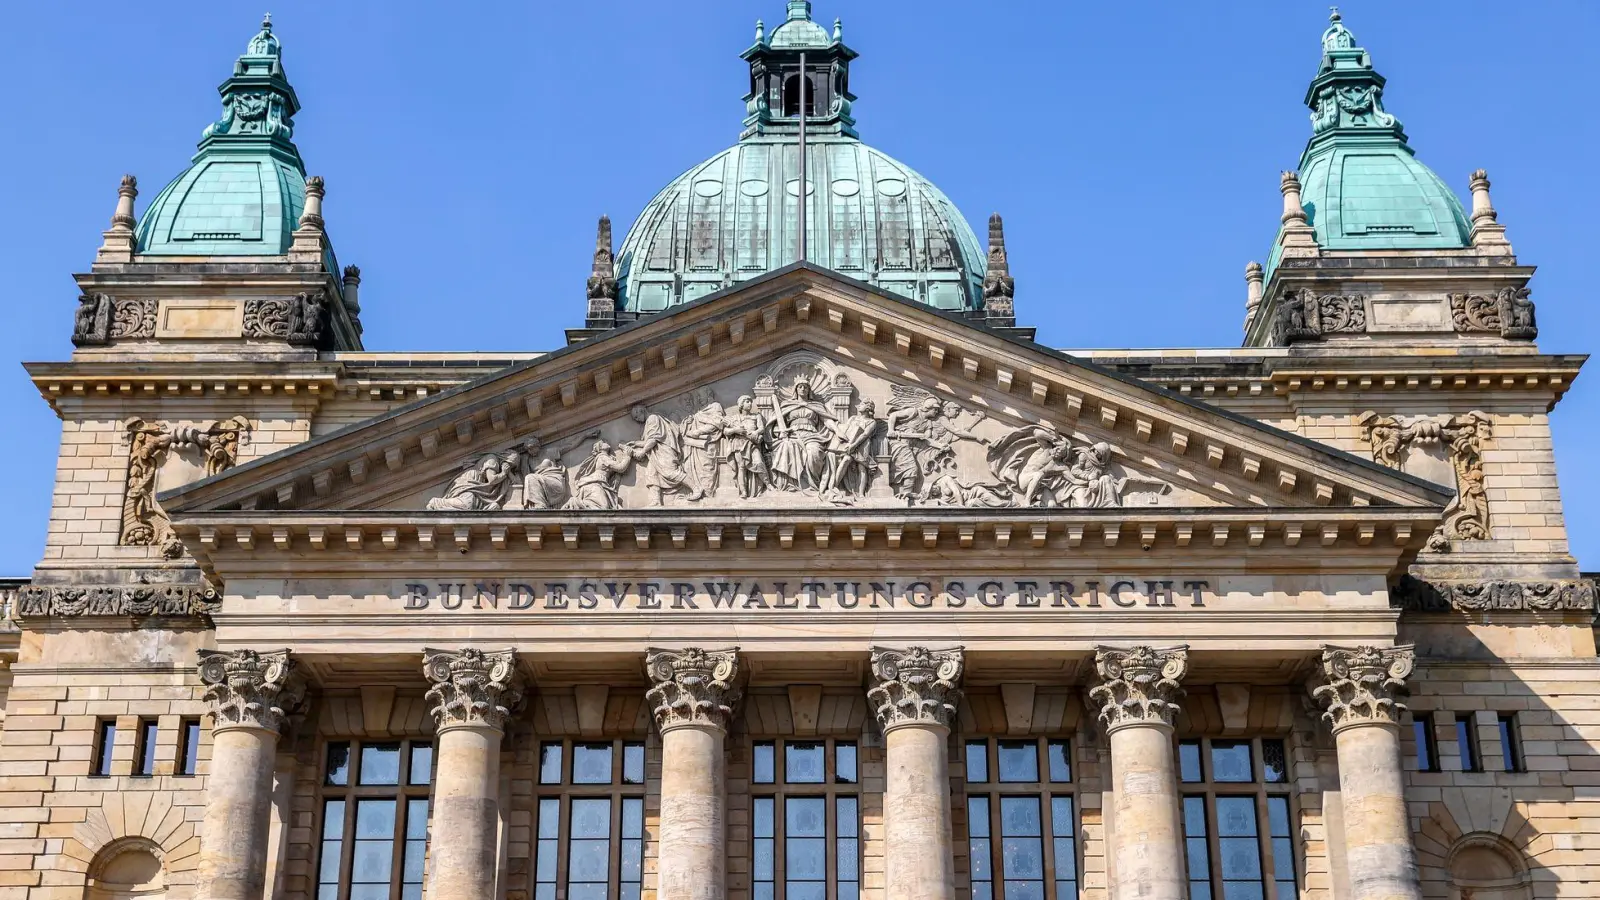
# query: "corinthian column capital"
[[1139, 685], [1363, 685], [915, 686], [471, 687], [250, 688], [692, 686]]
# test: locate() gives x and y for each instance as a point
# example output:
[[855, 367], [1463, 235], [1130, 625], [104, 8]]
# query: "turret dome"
[[735, 215]]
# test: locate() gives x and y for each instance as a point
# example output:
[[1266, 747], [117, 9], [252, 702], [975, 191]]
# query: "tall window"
[[105, 744], [1427, 748], [1021, 819], [805, 820], [188, 761], [374, 820], [144, 751], [1510, 742], [591, 820], [1237, 819], [1467, 743]]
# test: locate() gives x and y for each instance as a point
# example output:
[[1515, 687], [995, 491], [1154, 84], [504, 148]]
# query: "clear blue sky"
[[1134, 149]]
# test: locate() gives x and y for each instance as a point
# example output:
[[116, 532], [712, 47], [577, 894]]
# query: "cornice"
[[87, 380]]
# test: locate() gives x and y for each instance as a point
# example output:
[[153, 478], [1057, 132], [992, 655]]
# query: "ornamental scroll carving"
[[692, 686], [1363, 685], [1416, 595], [915, 686], [1508, 313], [301, 319], [101, 319], [144, 523], [804, 434], [1305, 315], [1466, 518], [118, 600], [1139, 685], [471, 687], [251, 689]]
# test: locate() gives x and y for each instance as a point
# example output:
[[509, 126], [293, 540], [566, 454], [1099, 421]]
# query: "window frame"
[[402, 793], [1468, 746], [995, 790], [1422, 725], [187, 761], [780, 791], [105, 746], [146, 737], [565, 790], [1259, 790], [1511, 757]]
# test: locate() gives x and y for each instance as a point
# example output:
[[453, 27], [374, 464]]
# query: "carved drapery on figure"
[[144, 524], [692, 686], [100, 319], [1417, 595], [1305, 315], [301, 319], [1508, 313], [117, 600], [1466, 518], [1363, 685], [251, 688], [1139, 685], [472, 687], [915, 686]]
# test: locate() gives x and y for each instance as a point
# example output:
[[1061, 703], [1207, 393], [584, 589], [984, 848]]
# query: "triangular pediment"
[[804, 390]]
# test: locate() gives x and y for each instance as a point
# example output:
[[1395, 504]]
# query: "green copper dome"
[[736, 215], [243, 192], [1362, 185]]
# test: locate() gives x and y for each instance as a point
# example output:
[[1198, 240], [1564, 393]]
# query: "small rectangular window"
[[105, 741], [1230, 762], [847, 828], [380, 765], [763, 767], [1060, 761], [1019, 761], [1197, 847], [421, 771], [1189, 761], [802, 762], [633, 762], [1467, 743], [978, 849], [591, 763], [1510, 743], [844, 763], [977, 762], [1427, 754], [1274, 762], [188, 762], [144, 751], [550, 762], [337, 773]]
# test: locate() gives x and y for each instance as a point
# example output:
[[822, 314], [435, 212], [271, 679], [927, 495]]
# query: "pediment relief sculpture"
[[803, 431]]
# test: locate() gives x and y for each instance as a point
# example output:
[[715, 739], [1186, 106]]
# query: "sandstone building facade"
[[804, 572]]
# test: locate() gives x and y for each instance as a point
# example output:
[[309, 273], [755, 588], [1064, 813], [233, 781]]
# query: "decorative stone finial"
[[1488, 235], [472, 688], [1298, 238], [1289, 184], [1139, 685], [1364, 685], [602, 280], [352, 294], [999, 288], [692, 686], [312, 216], [249, 688], [122, 219], [1253, 276], [915, 686], [761, 31], [118, 242], [838, 30]]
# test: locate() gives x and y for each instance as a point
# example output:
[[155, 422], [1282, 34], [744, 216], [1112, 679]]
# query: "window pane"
[[591, 818], [844, 763], [416, 841], [978, 816], [1243, 890], [848, 818], [847, 847], [805, 859], [763, 867], [1189, 761], [337, 772], [1019, 816], [1282, 846], [380, 764], [1241, 858], [416, 820], [1019, 761], [1422, 734], [763, 817], [762, 770], [631, 875], [333, 819], [550, 762], [190, 756], [802, 762], [332, 847], [591, 763], [633, 763], [421, 764], [1060, 753], [1023, 858], [1278, 816], [544, 863], [1196, 852], [1274, 762], [977, 762], [372, 861], [147, 748], [105, 747], [1064, 826], [1467, 741], [588, 861], [1230, 761], [549, 817], [804, 817], [374, 819], [978, 846]]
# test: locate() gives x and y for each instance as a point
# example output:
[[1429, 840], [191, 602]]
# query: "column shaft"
[[1147, 834], [1377, 832], [466, 814], [233, 856], [918, 864], [693, 814]]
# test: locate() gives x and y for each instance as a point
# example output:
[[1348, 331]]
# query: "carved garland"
[[1363, 685], [692, 686], [136, 600], [251, 689], [472, 687], [915, 686], [1466, 518], [1417, 595], [144, 523], [1508, 313], [1140, 685]]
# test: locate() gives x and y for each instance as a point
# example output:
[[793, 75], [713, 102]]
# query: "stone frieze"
[[118, 600], [1508, 313], [1416, 595]]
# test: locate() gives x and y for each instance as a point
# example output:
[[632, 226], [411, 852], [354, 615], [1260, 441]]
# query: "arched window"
[[1487, 867], [125, 870], [791, 96]]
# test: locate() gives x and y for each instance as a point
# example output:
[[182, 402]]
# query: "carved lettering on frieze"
[[472, 687], [692, 686], [144, 523], [1363, 685], [1466, 518], [1139, 685], [1417, 595], [915, 686], [251, 689], [1305, 315], [1508, 313]]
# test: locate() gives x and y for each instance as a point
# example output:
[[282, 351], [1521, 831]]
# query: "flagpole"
[[804, 84]]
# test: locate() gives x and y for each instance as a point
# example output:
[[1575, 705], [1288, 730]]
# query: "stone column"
[[692, 695], [914, 694], [1138, 698], [250, 694], [1361, 689], [473, 693]]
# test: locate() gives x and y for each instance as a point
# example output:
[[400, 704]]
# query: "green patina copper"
[[244, 190], [735, 216], [1362, 185]]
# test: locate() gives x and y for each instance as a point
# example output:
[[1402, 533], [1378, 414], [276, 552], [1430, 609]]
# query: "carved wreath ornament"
[[692, 686], [1140, 685], [915, 686], [471, 687], [1364, 685], [249, 688]]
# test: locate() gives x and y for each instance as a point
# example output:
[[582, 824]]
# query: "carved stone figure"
[[220, 443], [485, 485], [660, 449], [144, 524], [251, 689], [915, 686], [1363, 685], [1467, 515], [1034, 463], [545, 484], [1508, 313], [692, 686], [1139, 685], [472, 688], [800, 428], [920, 431], [91, 322], [744, 438], [945, 488], [594, 485], [1305, 315], [1516, 314], [850, 462], [703, 446]]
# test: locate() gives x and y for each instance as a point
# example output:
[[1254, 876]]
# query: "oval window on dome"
[[753, 188], [708, 188], [847, 187], [891, 187], [794, 187]]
